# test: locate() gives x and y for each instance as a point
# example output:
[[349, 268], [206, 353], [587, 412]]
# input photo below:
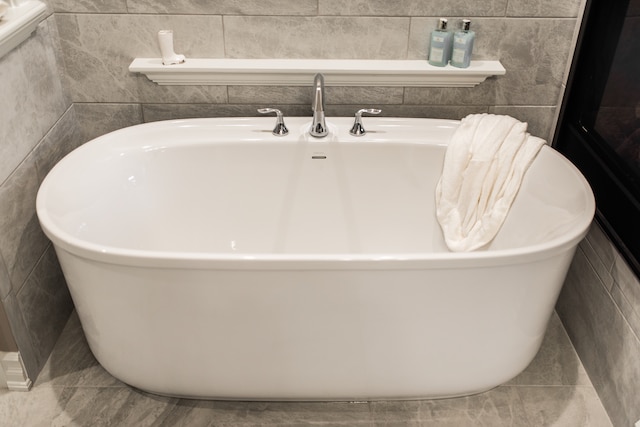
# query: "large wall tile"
[[32, 97], [97, 51], [602, 270], [5, 281], [601, 254], [539, 8], [602, 245], [413, 7], [483, 94], [22, 335], [82, 6], [227, 7], [368, 96], [540, 119], [626, 293], [320, 37], [269, 95], [152, 93], [7, 342], [604, 340], [156, 112], [46, 305], [94, 120], [300, 95], [23, 241], [64, 137]]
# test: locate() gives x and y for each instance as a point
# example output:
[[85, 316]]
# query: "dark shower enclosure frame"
[[601, 62]]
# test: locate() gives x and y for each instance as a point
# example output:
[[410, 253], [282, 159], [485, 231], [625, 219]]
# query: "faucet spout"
[[318, 125]]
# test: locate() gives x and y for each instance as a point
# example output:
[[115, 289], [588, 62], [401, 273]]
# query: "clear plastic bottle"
[[463, 45], [441, 45]]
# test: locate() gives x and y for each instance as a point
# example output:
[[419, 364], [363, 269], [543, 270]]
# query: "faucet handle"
[[357, 129], [280, 129]]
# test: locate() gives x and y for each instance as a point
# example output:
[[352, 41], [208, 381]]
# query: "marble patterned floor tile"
[[305, 413], [556, 363], [563, 407], [195, 413], [494, 408], [37, 407], [108, 406]]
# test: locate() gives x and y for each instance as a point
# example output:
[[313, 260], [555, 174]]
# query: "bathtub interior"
[[286, 196], [554, 202]]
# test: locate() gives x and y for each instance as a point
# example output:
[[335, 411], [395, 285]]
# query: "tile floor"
[[74, 390]]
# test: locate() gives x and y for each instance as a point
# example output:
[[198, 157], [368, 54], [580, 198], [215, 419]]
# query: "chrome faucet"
[[318, 125]]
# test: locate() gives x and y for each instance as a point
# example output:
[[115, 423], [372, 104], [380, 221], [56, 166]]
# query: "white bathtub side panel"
[[307, 335]]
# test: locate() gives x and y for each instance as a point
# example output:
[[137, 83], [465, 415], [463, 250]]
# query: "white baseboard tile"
[[13, 371]]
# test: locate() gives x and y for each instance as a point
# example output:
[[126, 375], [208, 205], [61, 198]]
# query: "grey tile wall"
[[32, 97], [7, 342], [36, 300], [97, 50], [23, 241], [413, 7], [90, 6], [599, 306], [550, 8], [94, 120], [5, 281], [316, 37], [36, 125], [45, 304], [227, 7], [100, 39]]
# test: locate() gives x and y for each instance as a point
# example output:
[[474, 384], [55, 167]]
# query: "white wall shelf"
[[19, 22], [299, 72]]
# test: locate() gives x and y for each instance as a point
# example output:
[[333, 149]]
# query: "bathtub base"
[[350, 399], [327, 335]]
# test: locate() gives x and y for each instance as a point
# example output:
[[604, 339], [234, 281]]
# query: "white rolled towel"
[[485, 162]]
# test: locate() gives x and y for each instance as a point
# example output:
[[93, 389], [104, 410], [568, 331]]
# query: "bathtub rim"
[[291, 261], [419, 261]]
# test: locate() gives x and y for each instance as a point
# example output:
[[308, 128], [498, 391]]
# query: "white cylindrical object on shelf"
[[169, 57]]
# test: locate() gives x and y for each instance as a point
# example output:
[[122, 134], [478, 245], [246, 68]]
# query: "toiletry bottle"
[[463, 45], [441, 45]]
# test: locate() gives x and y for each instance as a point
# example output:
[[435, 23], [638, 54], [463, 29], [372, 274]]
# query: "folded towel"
[[485, 162]]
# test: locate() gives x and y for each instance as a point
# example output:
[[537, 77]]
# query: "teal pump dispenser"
[[463, 45], [441, 45]]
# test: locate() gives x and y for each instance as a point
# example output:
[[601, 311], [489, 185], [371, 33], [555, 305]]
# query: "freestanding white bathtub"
[[208, 258]]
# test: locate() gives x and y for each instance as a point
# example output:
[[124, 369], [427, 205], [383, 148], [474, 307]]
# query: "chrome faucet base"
[[318, 125], [358, 129], [280, 129]]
